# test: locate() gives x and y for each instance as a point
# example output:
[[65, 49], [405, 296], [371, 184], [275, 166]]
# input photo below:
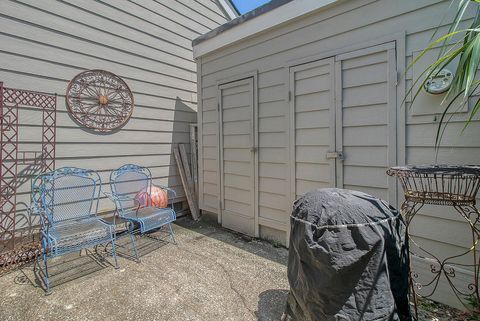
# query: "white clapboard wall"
[[44, 44]]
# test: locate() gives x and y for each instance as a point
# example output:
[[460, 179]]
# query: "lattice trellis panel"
[[8, 167], [15, 250]]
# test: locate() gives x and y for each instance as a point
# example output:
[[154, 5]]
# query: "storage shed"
[[298, 95]]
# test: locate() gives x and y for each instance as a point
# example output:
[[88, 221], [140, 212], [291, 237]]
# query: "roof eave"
[[255, 22]]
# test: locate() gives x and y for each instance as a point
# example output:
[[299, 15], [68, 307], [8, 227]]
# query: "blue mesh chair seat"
[[78, 234], [150, 217]]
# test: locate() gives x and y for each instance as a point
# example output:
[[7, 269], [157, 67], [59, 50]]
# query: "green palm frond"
[[465, 83]]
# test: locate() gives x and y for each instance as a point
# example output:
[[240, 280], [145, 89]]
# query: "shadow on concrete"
[[145, 244], [246, 243], [271, 305], [85, 263], [64, 269]]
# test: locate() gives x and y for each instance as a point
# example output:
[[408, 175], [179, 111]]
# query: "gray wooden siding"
[[346, 27], [44, 44]]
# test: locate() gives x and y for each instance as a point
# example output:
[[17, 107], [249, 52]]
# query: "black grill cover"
[[348, 259]]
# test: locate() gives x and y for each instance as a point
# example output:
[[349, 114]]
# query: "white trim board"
[[282, 14], [228, 8]]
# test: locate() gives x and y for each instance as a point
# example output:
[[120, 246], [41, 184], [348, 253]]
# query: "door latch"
[[335, 155]]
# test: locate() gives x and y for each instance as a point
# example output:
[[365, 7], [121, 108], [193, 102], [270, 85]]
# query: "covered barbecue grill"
[[348, 259]]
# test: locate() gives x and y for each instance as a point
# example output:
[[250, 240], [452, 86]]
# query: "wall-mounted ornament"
[[439, 82], [99, 100]]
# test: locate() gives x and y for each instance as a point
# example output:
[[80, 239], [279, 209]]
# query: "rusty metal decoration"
[[16, 246], [99, 100], [445, 185]]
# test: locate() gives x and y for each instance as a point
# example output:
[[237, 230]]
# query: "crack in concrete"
[[244, 301], [229, 277]]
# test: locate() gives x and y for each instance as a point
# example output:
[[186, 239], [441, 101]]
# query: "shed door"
[[366, 120], [237, 152], [312, 119], [343, 122]]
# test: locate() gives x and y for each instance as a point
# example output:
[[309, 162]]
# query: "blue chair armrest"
[[116, 198], [48, 241]]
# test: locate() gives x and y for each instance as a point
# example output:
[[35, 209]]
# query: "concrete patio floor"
[[211, 274]]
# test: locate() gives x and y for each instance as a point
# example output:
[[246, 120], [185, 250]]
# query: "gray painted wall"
[[374, 129], [44, 44]]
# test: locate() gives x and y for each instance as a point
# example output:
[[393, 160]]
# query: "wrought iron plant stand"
[[445, 185]]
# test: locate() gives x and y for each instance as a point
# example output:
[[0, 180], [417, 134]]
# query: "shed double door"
[[343, 122], [237, 156]]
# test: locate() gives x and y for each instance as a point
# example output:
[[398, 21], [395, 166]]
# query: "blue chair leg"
[[47, 281], [114, 253], [131, 227], [171, 233]]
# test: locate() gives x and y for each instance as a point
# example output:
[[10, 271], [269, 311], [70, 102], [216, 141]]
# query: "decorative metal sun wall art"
[[99, 100]]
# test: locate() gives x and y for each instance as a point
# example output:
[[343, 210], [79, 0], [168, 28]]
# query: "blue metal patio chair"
[[125, 183], [66, 200]]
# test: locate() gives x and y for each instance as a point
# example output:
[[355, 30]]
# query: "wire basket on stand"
[[446, 185]]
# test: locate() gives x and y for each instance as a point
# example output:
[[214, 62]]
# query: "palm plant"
[[461, 43]]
